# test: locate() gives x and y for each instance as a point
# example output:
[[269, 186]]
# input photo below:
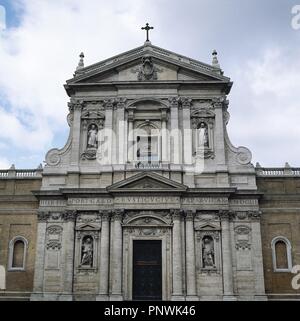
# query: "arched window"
[[17, 254], [281, 254]]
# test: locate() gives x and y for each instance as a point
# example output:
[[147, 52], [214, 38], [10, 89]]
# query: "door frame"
[[164, 235]]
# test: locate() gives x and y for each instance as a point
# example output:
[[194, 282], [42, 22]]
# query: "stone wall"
[[280, 206], [18, 218]]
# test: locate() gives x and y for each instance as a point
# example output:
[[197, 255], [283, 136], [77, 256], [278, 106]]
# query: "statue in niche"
[[202, 135], [92, 137], [208, 253], [87, 251]]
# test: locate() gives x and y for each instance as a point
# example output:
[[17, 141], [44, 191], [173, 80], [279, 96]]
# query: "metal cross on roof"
[[147, 28]]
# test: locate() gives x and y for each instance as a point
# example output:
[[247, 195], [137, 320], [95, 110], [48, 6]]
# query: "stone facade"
[[148, 159]]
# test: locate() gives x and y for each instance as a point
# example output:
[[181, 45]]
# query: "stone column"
[[130, 136], [117, 259], [257, 256], [219, 135], [69, 218], [121, 129], [187, 131], [104, 258], [174, 137], [108, 130], [177, 257], [38, 282], [76, 108], [228, 293], [164, 137], [191, 288]]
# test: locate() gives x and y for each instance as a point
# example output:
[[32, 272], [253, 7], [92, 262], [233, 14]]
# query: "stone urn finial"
[[81, 62], [215, 62]]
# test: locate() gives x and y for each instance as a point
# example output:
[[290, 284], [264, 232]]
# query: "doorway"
[[147, 270]]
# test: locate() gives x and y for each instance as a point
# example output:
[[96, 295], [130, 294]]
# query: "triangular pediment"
[[168, 65], [147, 182]]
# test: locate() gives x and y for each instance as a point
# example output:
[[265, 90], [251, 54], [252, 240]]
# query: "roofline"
[[114, 62]]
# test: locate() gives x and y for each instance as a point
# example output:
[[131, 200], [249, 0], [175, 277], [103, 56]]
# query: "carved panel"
[[242, 235], [53, 246]]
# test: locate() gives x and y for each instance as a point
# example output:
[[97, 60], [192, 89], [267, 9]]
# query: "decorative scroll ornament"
[[43, 216], [53, 158], [69, 216], [243, 156]]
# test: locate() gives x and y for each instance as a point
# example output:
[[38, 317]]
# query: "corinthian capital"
[[69, 216], [186, 102], [189, 215], [109, 103], [254, 215], [105, 215], [75, 105], [226, 215], [121, 103], [174, 101], [176, 214], [117, 215], [43, 216]]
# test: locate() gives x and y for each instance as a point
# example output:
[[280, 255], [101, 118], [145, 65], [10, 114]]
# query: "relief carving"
[[53, 235], [147, 70]]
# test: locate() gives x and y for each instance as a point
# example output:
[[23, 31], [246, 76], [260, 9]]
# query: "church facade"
[[149, 199]]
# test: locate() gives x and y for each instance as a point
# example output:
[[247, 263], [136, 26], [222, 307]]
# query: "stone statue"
[[202, 135], [87, 251], [208, 254], [92, 137]]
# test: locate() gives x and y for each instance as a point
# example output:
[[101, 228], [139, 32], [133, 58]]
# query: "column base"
[[102, 297], [229, 298], [260, 297], [65, 297], [177, 297], [37, 297], [175, 167], [116, 297], [192, 298]]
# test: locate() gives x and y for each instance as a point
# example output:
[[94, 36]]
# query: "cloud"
[[4, 163], [41, 51], [267, 90]]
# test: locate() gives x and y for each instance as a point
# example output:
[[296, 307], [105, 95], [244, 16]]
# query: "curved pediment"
[[146, 220]]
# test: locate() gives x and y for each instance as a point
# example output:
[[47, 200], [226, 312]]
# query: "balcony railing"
[[147, 165], [21, 173], [277, 171]]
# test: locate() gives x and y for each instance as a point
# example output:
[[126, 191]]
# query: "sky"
[[258, 44]]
